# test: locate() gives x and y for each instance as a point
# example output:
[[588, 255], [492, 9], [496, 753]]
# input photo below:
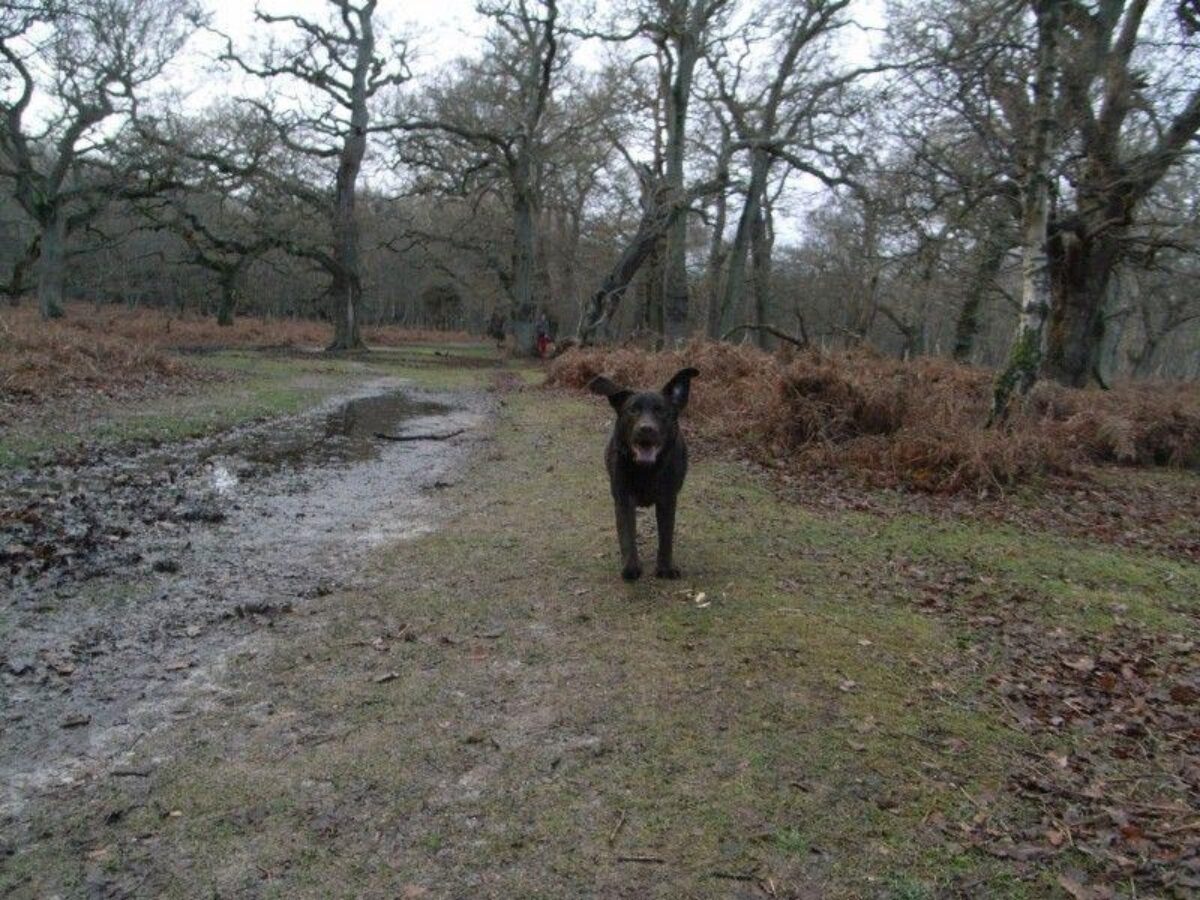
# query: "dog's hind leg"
[[627, 534], [664, 512]]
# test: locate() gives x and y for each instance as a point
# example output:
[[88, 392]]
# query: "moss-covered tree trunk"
[[1024, 359], [991, 252]]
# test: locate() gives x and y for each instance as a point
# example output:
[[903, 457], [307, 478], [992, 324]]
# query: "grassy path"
[[498, 715]]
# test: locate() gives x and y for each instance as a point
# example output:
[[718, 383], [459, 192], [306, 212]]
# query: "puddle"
[[353, 426], [345, 435]]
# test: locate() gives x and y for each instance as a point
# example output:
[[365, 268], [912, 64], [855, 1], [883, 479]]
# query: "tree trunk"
[[657, 217], [1025, 356], [716, 263], [228, 301], [675, 286], [522, 317], [15, 289], [983, 277], [761, 241], [52, 265], [346, 289], [652, 292], [1080, 271], [675, 290], [868, 294], [735, 276]]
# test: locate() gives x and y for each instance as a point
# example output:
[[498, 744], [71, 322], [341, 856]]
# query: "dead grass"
[[40, 360], [112, 348], [918, 424]]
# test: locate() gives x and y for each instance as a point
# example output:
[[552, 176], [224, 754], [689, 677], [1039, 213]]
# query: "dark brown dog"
[[647, 461]]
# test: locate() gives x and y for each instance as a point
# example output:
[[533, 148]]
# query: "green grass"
[[791, 729]]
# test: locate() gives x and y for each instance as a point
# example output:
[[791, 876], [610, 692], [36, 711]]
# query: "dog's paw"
[[666, 572], [632, 572]]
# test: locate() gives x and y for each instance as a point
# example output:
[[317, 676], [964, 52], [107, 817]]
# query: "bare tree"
[[1132, 124], [231, 206], [345, 65], [661, 207], [89, 60], [504, 138], [681, 31], [1126, 112], [780, 111]]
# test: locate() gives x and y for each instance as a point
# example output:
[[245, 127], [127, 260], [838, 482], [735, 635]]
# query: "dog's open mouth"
[[645, 454]]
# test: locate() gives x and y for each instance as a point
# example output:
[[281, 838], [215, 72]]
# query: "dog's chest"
[[647, 485]]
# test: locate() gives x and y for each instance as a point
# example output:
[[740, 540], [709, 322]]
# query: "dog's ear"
[[676, 390], [606, 387]]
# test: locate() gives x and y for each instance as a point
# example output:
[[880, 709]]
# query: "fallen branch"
[[418, 437], [769, 329]]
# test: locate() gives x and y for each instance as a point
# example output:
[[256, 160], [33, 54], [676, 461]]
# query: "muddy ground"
[[292, 660], [131, 575]]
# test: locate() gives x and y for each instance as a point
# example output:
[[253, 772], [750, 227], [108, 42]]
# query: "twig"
[[1187, 826], [734, 876], [616, 829], [418, 437], [641, 859]]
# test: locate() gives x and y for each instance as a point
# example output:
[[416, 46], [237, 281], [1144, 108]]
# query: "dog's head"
[[646, 420]]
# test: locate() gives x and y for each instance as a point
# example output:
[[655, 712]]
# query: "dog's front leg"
[[627, 534], [664, 512]]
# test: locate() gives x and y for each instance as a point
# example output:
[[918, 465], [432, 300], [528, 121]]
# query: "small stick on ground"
[[418, 437], [735, 876], [616, 829], [641, 859]]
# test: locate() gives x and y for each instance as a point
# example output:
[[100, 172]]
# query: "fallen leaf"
[[1075, 888], [1185, 694]]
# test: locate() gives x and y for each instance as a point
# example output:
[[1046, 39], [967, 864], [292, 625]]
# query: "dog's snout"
[[645, 431]]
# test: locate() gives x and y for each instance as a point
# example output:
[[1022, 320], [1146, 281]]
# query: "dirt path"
[[483, 709], [134, 576]]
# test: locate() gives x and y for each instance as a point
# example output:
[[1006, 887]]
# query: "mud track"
[[131, 577]]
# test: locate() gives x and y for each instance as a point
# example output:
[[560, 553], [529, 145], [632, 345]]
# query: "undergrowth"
[[918, 423], [110, 349]]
